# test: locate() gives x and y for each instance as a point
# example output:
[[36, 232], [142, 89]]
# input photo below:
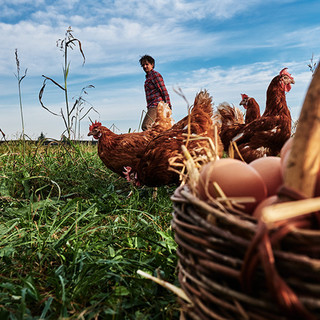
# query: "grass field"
[[71, 240]]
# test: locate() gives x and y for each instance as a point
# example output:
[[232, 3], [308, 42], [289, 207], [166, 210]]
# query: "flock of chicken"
[[143, 158]]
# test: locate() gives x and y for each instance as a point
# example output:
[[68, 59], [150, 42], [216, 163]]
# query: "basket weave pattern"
[[213, 241]]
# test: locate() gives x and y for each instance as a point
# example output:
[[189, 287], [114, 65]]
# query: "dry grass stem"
[[176, 290], [221, 194], [211, 156], [188, 163], [233, 146], [237, 199], [192, 170]]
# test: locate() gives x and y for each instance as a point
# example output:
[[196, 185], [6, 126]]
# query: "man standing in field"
[[155, 90]]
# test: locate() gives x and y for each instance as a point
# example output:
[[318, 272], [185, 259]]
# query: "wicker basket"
[[212, 247], [232, 266]]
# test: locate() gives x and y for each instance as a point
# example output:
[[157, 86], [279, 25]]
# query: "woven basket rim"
[[197, 237]]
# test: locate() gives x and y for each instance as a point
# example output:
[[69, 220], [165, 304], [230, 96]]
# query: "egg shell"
[[284, 162], [235, 178], [264, 203], [286, 147], [270, 170]]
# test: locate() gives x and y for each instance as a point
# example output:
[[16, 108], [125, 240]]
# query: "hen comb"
[[285, 72], [244, 96], [94, 125]]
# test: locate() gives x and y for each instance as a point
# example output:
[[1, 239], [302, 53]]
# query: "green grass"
[[71, 240]]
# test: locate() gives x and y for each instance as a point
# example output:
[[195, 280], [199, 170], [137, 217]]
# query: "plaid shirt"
[[155, 89]]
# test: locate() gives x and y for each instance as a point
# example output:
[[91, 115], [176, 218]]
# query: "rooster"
[[118, 150], [266, 135], [153, 166], [252, 108]]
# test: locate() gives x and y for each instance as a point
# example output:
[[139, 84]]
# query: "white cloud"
[[149, 11], [124, 36], [21, 2]]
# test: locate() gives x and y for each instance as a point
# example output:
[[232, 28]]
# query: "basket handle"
[[304, 159]]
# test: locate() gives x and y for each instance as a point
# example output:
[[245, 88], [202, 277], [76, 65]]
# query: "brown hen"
[[266, 136], [252, 108], [233, 120], [119, 150]]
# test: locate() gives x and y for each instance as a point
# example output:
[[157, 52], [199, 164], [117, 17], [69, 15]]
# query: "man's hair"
[[147, 58]]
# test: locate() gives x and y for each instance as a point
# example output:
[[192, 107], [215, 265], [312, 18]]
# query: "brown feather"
[[153, 167], [266, 136], [119, 150], [253, 110]]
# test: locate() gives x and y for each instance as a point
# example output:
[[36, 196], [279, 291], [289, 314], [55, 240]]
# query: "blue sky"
[[227, 47]]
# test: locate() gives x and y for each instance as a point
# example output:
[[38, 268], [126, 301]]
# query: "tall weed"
[[72, 114]]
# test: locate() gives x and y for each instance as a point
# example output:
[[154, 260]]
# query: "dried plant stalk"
[[189, 162], [176, 290]]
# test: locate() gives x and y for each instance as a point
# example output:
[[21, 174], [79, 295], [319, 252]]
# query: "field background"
[[71, 240]]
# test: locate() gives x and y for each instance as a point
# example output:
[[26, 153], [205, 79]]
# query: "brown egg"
[[286, 147], [235, 178], [284, 162], [270, 171], [264, 203]]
